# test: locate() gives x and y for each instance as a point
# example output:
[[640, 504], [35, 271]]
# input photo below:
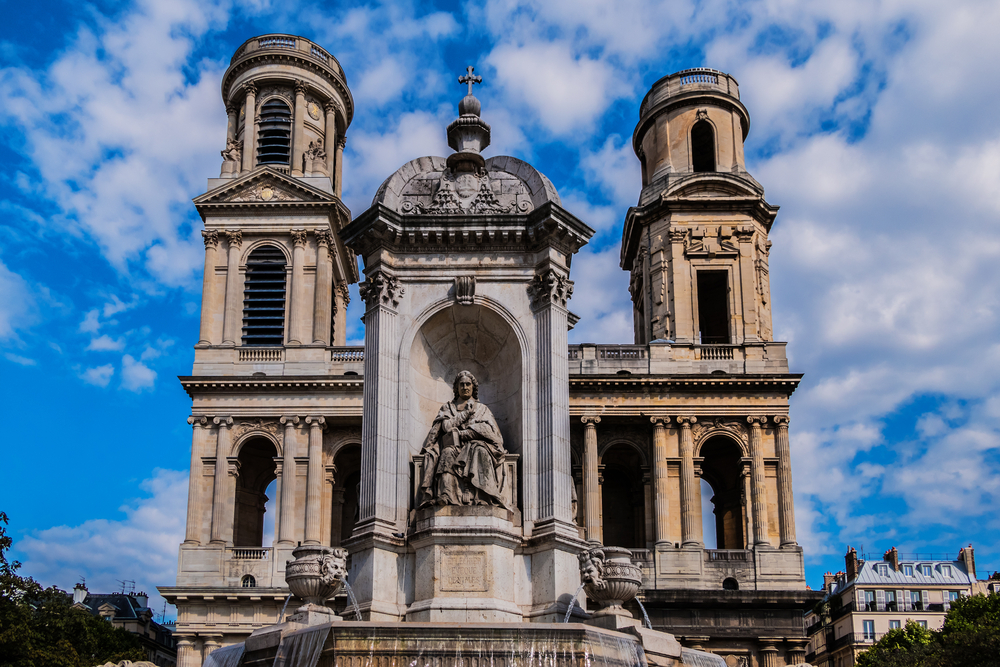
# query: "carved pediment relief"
[[706, 427], [261, 192], [258, 425], [262, 187]]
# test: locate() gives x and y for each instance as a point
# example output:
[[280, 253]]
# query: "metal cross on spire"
[[470, 78]]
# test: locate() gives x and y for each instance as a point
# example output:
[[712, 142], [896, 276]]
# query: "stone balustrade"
[[698, 79], [280, 43]]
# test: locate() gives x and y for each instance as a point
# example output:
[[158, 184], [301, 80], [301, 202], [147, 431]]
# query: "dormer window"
[[908, 570], [926, 570], [946, 570], [274, 138], [882, 569]]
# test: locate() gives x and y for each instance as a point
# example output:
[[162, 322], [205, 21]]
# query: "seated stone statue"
[[463, 452]]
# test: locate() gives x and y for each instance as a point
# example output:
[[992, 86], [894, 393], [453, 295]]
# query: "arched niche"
[[473, 338]]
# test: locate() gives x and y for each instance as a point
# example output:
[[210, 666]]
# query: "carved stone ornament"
[[262, 192], [258, 425], [677, 235], [733, 427], [381, 289], [345, 292], [323, 237], [465, 289], [317, 574], [610, 578], [211, 238], [314, 110], [468, 193], [315, 151], [702, 114], [234, 237], [269, 92], [550, 287], [233, 151], [299, 237]]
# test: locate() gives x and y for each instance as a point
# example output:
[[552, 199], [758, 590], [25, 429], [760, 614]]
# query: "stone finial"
[[468, 135]]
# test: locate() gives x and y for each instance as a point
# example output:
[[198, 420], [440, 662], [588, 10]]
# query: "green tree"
[[909, 646], [39, 627], [970, 636]]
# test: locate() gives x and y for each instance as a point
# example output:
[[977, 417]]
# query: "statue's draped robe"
[[464, 466]]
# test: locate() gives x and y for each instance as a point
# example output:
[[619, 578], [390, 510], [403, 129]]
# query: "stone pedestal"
[[464, 565]]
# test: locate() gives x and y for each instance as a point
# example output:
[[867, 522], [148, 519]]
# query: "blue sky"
[[874, 128]]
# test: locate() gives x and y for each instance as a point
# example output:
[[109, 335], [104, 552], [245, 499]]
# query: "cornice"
[[548, 225], [214, 201], [786, 383], [275, 385]]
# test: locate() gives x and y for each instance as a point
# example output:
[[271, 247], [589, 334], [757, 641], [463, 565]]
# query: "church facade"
[[467, 266]]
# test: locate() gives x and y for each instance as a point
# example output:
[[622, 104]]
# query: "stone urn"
[[316, 575], [610, 578]]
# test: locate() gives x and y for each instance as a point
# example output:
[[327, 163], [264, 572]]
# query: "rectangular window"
[[894, 625], [882, 569], [926, 570], [713, 307], [946, 570], [908, 570], [915, 600], [952, 596], [922, 624], [869, 630]]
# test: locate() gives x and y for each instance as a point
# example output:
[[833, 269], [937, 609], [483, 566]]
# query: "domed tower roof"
[[465, 183]]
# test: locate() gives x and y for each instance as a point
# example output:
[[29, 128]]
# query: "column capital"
[[299, 237], [381, 289], [211, 237], [324, 238], [781, 420], [250, 88], [234, 237], [344, 291], [686, 420], [590, 420], [223, 422], [316, 421], [300, 87], [677, 234], [341, 142], [289, 421], [660, 421], [198, 420], [331, 106], [232, 109], [549, 288], [756, 421]]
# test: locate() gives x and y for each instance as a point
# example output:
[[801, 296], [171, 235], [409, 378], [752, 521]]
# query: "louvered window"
[[274, 137], [264, 298]]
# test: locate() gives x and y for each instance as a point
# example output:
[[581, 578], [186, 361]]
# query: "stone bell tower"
[[696, 245], [271, 388]]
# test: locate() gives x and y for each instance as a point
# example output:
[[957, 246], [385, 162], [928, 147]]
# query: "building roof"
[[868, 575], [126, 606]]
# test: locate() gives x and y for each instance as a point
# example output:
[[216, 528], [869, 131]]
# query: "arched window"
[[274, 138], [722, 469], [248, 581], [623, 499], [264, 298], [256, 472], [703, 146]]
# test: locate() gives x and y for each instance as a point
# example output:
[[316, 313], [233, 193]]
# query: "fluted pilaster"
[[591, 484]]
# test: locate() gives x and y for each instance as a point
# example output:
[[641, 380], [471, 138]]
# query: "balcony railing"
[[347, 354], [727, 555], [840, 612], [261, 354], [621, 352], [250, 553], [715, 352], [642, 555]]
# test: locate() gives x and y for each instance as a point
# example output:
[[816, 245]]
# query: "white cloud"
[[136, 375], [98, 376], [605, 317], [567, 92], [106, 343], [18, 359], [615, 169], [17, 306], [91, 322], [142, 546]]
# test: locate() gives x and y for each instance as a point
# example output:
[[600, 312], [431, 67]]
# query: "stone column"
[[286, 531], [758, 488], [338, 173], [330, 137], [549, 293], [192, 534], [299, 129], [232, 120], [690, 491], [661, 489], [212, 643], [211, 238], [591, 485], [314, 480], [748, 291], [187, 655], [342, 297], [219, 501], [768, 653], [296, 316], [684, 311], [336, 515], [379, 458], [279, 475], [323, 289], [786, 507], [234, 290], [249, 134]]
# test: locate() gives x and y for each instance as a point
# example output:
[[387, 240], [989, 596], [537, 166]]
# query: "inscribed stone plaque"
[[463, 572]]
